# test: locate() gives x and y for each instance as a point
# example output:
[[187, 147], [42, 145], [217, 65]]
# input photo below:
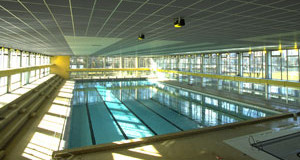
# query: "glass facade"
[[277, 65], [79, 62], [12, 59]]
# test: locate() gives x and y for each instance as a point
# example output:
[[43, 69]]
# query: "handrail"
[[237, 78], [107, 69], [12, 71]]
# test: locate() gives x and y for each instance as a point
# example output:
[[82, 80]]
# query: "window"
[[246, 64], [25, 78], [15, 58], [258, 64], [15, 81], [3, 85], [210, 63], [285, 65], [32, 76], [25, 59], [3, 58], [293, 65], [183, 63], [116, 62], [47, 71], [229, 64], [129, 62], [109, 62], [32, 59], [38, 60]]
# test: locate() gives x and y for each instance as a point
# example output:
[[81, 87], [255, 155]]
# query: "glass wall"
[[229, 64], [285, 65], [109, 62], [277, 65], [12, 58], [210, 64], [3, 85]]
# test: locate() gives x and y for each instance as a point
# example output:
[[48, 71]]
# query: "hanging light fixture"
[[141, 37], [179, 22]]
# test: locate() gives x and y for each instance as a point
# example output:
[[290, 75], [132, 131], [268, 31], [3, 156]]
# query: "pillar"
[[8, 66], [240, 62]]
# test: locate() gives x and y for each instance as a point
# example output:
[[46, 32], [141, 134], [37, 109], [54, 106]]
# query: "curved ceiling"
[[111, 27]]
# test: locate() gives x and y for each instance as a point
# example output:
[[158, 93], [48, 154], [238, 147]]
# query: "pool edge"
[[139, 141]]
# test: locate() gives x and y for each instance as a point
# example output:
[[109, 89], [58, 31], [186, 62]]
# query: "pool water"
[[104, 112]]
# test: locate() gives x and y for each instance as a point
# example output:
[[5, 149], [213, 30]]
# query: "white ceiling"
[[111, 27]]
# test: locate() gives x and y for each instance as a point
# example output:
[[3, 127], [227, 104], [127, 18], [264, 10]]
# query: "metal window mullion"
[[121, 62], [262, 64], [298, 65], [239, 64], [287, 65], [267, 60], [281, 65]]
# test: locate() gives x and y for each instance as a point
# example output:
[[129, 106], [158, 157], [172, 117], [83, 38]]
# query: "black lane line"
[[209, 106], [136, 116], [122, 131], [90, 121], [178, 112], [158, 114], [141, 120]]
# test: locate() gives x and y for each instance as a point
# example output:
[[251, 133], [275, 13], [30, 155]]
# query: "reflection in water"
[[131, 104]]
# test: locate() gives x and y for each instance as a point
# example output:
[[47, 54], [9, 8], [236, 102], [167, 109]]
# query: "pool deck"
[[244, 98], [204, 143]]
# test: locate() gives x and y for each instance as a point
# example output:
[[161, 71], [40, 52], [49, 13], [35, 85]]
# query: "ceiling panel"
[[68, 27]]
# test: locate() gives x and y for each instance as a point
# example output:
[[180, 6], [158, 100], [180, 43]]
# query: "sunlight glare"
[[59, 110], [149, 149], [117, 156]]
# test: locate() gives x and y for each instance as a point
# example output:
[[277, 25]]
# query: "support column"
[[202, 63], [136, 62], [190, 69], [40, 59], [87, 62], [35, 55], [177, 67], [267, 91], [121, 62], [136, 65], [240, 62], [28, 73], [268, 71], [21, 65], [298, 64], [218, 63], [8, 66], [104, 62]]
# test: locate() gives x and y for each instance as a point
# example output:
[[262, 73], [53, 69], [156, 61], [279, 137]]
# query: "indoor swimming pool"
[[105, 112]]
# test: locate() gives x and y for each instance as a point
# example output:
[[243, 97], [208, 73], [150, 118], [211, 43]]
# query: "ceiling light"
[[179, 22], [141, 37]]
